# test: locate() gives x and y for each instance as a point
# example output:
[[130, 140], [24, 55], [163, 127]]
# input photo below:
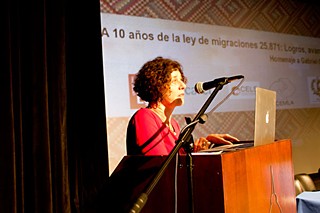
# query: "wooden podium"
[[257, 179]]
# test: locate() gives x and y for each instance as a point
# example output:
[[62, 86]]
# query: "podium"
[[257, 179]]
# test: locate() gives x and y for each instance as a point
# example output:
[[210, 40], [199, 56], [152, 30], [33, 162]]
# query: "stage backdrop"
[[284, 63]]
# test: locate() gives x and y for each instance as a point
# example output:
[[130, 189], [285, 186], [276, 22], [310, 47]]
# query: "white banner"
[[287, 64]]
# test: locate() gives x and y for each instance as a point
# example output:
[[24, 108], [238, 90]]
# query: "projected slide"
[[284, 63], [287, 64]]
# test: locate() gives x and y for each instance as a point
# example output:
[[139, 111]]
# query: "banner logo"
[[246, 91], [314, 89], [285, 90], [315, 86]]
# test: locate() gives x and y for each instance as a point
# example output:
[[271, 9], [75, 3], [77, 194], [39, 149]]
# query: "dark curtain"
[[53, 141]]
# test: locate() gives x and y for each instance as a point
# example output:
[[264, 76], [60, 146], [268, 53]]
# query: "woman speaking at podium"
[[152, 130]]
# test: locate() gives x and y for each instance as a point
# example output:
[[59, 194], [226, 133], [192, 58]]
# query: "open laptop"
[[265, 120], [265, 116]]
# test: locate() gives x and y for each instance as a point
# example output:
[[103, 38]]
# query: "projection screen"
[[284, 63]]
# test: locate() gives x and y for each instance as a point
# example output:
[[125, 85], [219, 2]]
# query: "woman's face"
[[175, 95]]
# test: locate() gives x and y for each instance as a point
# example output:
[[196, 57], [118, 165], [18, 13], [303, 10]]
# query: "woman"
[[152, 130]]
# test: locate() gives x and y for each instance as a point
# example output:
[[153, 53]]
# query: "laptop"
[[265, 117], [265, 120]]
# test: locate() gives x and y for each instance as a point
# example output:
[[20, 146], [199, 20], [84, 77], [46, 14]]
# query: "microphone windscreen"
[[199, 88]]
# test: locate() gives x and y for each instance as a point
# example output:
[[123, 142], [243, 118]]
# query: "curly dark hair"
[[153, 79]]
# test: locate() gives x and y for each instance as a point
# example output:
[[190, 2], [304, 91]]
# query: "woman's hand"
[[221, 138], [204, 143], [201, 144]]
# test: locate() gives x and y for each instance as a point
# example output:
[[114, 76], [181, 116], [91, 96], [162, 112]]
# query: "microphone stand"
[[184, 137]]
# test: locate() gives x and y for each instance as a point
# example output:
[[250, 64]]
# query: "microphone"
[[200, 87]]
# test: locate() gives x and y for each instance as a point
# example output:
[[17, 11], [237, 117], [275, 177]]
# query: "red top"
[[148, 135]]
